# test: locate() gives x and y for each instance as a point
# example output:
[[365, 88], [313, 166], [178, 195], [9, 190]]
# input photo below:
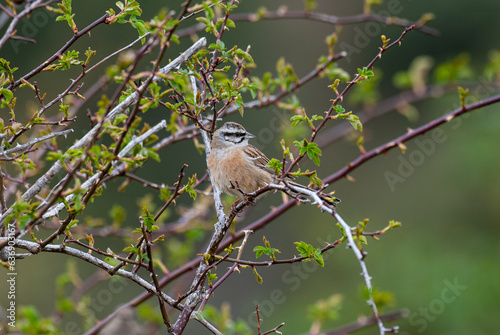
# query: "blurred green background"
[[442, 265]]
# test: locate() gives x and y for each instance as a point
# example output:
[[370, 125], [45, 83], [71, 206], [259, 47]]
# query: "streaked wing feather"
[[258, 158]]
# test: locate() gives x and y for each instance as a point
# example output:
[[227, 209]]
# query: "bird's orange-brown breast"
[[239, 172]]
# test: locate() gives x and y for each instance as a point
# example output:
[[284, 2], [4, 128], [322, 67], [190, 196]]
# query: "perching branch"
[[317, 200]]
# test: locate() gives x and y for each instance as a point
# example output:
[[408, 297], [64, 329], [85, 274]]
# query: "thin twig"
[[58, 54], [128, 46], [36, 140], [227, 274], [151, 269], [335, 20], [165, 206], [29, 8], [34, 248], [364, 322], [382, 149], [320, 17], [275, 329], [341, 96], [199, 317]]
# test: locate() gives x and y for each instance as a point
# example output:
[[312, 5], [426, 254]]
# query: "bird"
[[235, 164], [239, 168]]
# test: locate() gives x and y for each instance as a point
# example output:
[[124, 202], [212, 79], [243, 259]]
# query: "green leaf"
[[211, 278], [67, 16], [8, 95], [364, 73], [385, 41], [308, 251], [310, 5], [128, 14], [392, 224], [276, 165], [230, 23], [257, 275], [189, 187], [266, 250], [89, 54], [165, 193], [318, 257], [148, 219], [463, 94], [296, 119], [132, 249], [65, 61], [304, 248], [141, 28], [339, 109], [311, 149], [5, 68], [353, 119], [259, 250], [355, 122]]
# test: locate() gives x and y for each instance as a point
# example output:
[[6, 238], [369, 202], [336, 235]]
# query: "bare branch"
[[58, 54], [227, 274], [364, 322], [199, 317], [335, 20], [275, 329], [30, 7], [412, 133], [35, 141], [128, 46], [34, 248], [320, 17], [148, 243]]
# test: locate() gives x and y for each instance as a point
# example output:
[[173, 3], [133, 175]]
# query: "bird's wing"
[[256, 156]]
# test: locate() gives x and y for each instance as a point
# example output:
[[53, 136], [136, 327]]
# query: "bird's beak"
[[249, 135]]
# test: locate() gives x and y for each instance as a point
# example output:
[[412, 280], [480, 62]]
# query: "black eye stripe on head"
[[235, 137]]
